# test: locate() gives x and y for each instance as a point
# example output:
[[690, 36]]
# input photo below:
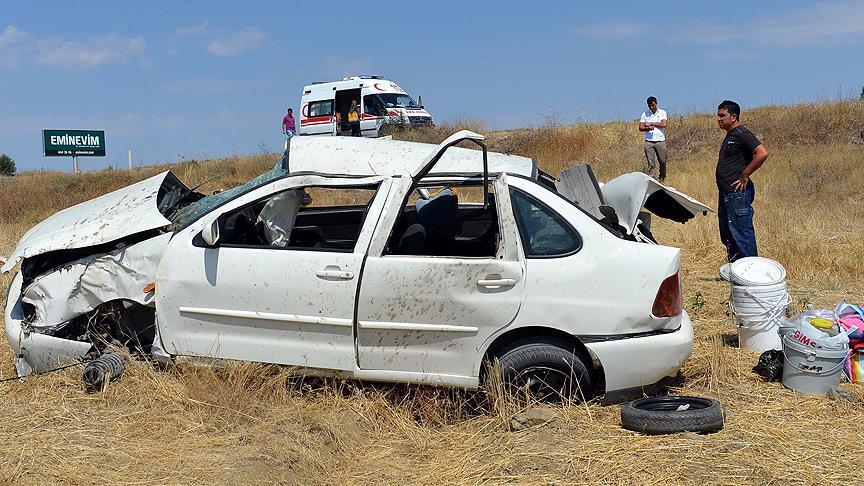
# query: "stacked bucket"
[[758, 301]]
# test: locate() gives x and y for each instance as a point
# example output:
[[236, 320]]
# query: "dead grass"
[[253, 424]]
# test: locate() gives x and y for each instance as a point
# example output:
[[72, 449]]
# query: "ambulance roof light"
[[362, 76]]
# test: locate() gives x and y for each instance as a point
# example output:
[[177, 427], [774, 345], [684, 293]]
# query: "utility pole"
[[130, 159]]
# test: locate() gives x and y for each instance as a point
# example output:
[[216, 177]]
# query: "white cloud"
[[822, 23], [14, 44], [93, 52], [236, 43], [616, 30], [734, 55], [191, 30], [17, 47], [212, 86], [10, 35]]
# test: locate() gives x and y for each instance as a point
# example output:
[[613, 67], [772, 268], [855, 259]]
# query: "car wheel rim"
[[544, 384]]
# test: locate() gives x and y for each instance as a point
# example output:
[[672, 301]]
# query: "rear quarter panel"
[[606, 288]]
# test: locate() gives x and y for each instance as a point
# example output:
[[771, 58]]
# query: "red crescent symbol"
[[305, 111], [376, 86]]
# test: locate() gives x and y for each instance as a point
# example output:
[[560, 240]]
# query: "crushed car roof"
[[385, 157]]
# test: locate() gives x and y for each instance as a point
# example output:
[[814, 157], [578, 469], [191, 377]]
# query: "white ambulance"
[[324, 106]]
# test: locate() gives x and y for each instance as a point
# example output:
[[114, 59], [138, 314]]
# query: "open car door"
[[441, 277]]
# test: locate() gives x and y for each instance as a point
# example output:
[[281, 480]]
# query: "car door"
[[290, 305], [431, 314]]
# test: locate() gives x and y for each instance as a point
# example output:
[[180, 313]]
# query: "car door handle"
[[499, 282], [337, 274]]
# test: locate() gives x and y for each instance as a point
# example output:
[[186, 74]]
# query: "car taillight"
[[669, 301]]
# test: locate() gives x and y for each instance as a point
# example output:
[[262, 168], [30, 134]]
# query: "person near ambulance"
[[653, 123], [354, 119], [289, 128]]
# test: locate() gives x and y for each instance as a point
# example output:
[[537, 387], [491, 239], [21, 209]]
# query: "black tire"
[[661, 415], [545, 370]]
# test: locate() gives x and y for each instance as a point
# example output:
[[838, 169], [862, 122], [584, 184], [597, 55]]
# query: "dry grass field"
[[254, 424]]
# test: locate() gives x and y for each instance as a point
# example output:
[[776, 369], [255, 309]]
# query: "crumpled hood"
[[629, 193], [127, 211]]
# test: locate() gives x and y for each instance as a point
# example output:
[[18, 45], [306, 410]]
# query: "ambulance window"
[[321, 108], [372, 105]]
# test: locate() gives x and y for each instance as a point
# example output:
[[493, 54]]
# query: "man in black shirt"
[[741, 153]]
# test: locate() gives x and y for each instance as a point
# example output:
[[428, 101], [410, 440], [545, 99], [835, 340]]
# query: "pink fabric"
[[288, 123], [849, 321]]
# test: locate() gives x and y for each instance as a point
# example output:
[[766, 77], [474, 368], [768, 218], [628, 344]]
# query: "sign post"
[[75, 143]]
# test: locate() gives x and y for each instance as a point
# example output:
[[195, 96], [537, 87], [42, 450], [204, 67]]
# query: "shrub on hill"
[[7, 165]]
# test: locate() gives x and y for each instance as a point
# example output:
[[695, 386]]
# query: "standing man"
[[288, 126], [653, 123], [741, 154]]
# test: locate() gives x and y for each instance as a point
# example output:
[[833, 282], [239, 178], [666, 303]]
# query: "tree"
[[7, 165], [862, 93]]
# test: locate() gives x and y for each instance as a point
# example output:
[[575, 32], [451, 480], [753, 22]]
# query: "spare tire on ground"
[[672, 414]]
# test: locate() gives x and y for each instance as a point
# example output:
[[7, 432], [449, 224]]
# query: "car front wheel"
[[544, 370]]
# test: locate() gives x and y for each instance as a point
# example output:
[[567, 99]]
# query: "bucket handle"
[[766, 302], [783, 301], [817, 373], [765, 316], [777, 308]]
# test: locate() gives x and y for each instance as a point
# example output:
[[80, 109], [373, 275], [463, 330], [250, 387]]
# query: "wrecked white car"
[[369, 259]]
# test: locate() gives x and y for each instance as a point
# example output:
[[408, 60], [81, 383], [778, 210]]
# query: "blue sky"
[[193, 79]]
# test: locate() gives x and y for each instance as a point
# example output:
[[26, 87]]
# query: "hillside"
[[254, 424]]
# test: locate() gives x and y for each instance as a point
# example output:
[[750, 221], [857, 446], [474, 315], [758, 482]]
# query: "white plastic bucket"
[[751, 271], [758, 340], [759, 311], [754, 300], [809, 370]]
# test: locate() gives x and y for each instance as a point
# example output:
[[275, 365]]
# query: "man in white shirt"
[[653, 123]]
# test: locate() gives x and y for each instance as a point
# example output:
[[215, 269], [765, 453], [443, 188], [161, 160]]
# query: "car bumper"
[[35, 352], [632, 366]]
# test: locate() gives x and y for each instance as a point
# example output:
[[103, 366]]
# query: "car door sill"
[[469, 382]]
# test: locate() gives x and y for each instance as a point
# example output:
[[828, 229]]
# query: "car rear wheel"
[[544, 370]]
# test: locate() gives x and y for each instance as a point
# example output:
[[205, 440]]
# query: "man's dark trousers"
[[735, 215]]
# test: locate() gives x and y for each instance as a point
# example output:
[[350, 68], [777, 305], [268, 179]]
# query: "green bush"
[[7, 165]]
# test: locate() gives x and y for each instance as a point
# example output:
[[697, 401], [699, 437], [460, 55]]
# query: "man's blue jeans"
[[735, 214]]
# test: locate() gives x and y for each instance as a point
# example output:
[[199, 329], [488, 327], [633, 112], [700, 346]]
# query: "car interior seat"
[[413, 240], [439, 219]]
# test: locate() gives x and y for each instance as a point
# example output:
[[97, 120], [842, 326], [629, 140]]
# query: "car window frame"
[[439, 180], [198, 240], [523, 238]]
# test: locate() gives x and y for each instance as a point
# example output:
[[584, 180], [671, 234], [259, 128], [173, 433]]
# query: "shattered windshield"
[[192, 212], [394, 100]]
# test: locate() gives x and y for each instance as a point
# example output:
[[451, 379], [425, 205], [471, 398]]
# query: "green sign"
[[56, 143]]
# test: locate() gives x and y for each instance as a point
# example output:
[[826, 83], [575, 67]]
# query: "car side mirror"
[[210, 233]]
